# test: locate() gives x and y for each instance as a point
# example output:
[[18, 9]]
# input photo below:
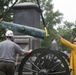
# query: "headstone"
[[54, 45]]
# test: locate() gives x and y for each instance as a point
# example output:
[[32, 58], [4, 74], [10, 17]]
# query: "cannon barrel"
[[26, 30]]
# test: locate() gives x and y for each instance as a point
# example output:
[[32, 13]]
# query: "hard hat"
[[9, 33], [74, 40]]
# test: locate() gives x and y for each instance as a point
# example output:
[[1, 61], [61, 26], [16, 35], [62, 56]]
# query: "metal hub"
[[43, 72]]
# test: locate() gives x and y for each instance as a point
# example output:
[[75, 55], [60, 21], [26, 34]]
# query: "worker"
[[8, 51], [72, 54]]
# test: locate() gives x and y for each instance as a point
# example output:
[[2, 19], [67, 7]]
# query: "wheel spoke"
[[30, 69], [56, 65], [55, 73], [33, 64], [51, 61]]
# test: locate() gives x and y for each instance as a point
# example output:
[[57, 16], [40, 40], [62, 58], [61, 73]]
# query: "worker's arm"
[[66, 43], [28, 51]]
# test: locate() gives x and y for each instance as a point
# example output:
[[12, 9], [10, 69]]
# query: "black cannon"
[[27, 30]]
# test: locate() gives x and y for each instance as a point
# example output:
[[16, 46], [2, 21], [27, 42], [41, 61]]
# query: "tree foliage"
[[74, 32], [4, 7], [2, 33]]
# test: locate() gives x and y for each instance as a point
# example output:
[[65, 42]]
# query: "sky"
[[67, 7]]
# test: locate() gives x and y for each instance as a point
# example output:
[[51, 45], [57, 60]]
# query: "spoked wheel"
[[43, 61]]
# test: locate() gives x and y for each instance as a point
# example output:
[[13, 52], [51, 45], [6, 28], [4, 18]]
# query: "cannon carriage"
[[46, 62], [42, 61]]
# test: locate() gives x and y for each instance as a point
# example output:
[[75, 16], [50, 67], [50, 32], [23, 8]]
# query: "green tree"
[[2, 33], [69, 25], [74, 30], [4, 7]]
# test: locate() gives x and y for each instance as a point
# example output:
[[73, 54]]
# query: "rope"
[[43, 19]]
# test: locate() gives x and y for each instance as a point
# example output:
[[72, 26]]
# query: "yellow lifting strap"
[[46, 31]]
